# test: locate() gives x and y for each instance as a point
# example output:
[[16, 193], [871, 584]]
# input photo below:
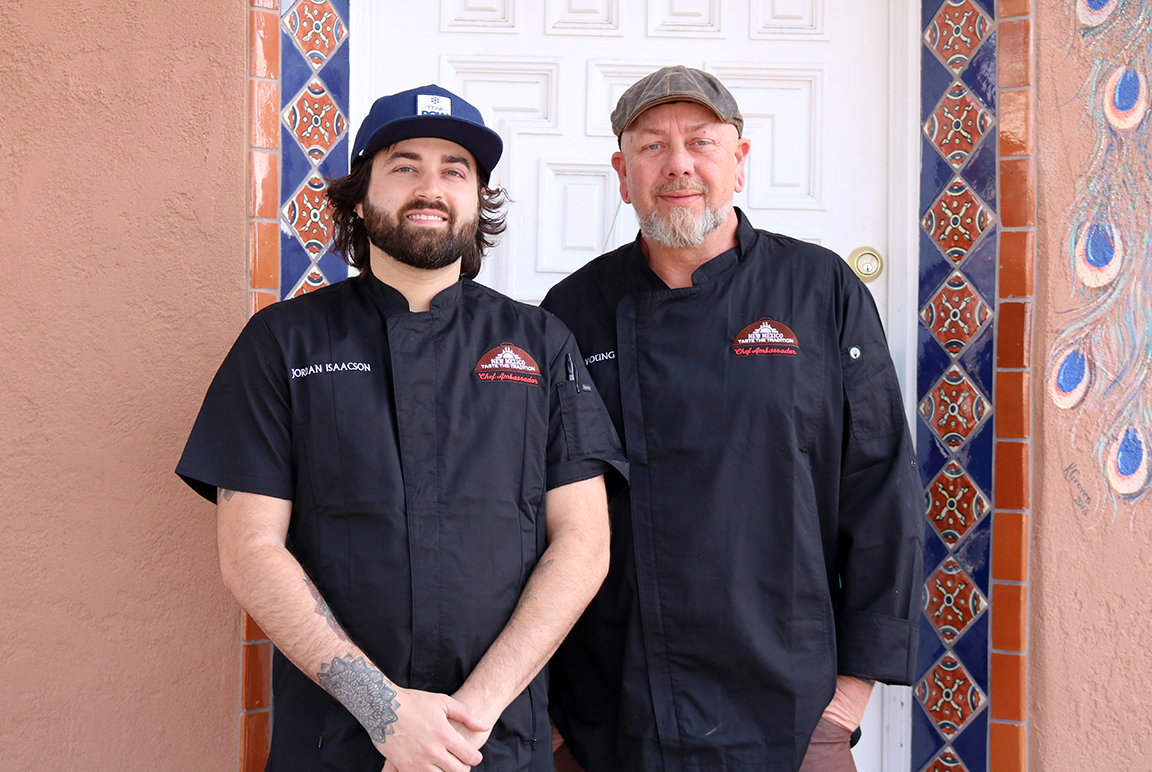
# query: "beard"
[[680, 228], [420, 247]]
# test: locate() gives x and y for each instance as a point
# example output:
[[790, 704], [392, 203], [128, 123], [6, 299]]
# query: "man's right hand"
[[423, 737]]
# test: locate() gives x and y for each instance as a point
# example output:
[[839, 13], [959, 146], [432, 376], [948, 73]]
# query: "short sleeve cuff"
[[587, 468], [205, 480]]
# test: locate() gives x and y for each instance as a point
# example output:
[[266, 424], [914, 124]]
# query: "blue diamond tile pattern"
[[955, 381], [314, 83]]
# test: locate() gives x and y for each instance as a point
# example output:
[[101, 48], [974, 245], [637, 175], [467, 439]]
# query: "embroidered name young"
[[329, 367], [765, 337], [600, 357], [509, 363]]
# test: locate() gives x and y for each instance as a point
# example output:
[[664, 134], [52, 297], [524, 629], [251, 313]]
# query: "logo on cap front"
[[433, 104], [508, 363], [766, 337]]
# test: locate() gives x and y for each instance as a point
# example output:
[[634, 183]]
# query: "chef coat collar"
[[392, 301], [710, 271]]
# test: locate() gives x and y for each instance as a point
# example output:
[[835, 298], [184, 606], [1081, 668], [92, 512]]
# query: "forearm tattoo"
[[323, 610], [364, 691], [226, 494]]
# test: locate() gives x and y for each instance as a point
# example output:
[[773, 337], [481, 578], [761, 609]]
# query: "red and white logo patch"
[[765, 338], [508, 363]]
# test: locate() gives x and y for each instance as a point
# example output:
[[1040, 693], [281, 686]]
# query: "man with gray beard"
[[766, 557]]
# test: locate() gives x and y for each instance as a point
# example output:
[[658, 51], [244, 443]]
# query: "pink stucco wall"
[[123, 147], [1090, 683]]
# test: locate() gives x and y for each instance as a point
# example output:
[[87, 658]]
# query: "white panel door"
[[828, 90]]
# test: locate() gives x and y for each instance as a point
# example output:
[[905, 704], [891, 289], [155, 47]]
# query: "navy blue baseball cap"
[[428, 111]]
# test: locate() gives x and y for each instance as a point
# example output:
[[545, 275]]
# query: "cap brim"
[[484, 144], [667, 99]]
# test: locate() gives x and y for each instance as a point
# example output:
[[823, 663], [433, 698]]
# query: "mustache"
[[674, 185], [438, 206]]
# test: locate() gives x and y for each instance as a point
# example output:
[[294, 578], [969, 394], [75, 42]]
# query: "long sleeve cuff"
[[875, 647]]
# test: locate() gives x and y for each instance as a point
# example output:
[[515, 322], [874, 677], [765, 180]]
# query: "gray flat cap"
[[676, 84]]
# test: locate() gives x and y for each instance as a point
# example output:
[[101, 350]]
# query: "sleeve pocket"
[[569, 419], [871, 391]]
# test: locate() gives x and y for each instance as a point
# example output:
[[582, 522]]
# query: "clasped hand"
[[433, 733]]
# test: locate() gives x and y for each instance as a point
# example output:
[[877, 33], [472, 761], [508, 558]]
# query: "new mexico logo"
[[508, 363], [765, 337]]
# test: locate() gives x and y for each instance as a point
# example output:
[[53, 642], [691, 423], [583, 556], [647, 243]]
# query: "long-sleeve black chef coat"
[[416, 449], [772, 532]]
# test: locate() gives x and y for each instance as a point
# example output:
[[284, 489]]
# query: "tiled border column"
[[297, 136], [1010, 578], [255, 696], [263, 152], [255, 728], [957, 334]]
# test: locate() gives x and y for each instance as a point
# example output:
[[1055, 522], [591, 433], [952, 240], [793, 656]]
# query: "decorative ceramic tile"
[[989, 7], [930, 455], [980, 171], [935, 552], [935, 174], [335, 76], [954, 503], [980, 76], [926, 740], [315, 120], [295, 261], [960, 206], [312, 281], [980, 265], [336, 164], [929, 646], [957, 125], [955, 314], [952, 600], [971, 745], [295, 166], [976, 457], [935, 79], [974, 649], [957, 220], [1015, 54], [928, 9], [295, 71], [978, 359], [1018, 192], [316, 28], [957, 31], [309, 214], [333, 267], [934, 269], [949, 696], [932, 361], [954, 408], [947, 761]]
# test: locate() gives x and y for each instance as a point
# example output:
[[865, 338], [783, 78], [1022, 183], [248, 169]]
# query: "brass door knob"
[[866, 263]]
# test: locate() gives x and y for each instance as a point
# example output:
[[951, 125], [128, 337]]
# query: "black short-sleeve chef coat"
[[772, 532], [416, 449]]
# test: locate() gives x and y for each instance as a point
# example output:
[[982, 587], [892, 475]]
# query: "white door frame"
[[903, 240]]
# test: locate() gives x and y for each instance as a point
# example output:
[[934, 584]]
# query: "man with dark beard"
[[766, 558], [382, 453]]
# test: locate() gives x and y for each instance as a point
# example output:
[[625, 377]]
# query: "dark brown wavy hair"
[[351, 236]]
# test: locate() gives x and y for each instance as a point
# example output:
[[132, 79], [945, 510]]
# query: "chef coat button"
[[854, 352]]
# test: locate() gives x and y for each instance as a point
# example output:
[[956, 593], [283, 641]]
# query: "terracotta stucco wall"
[[1090, 685], [123, 145]]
